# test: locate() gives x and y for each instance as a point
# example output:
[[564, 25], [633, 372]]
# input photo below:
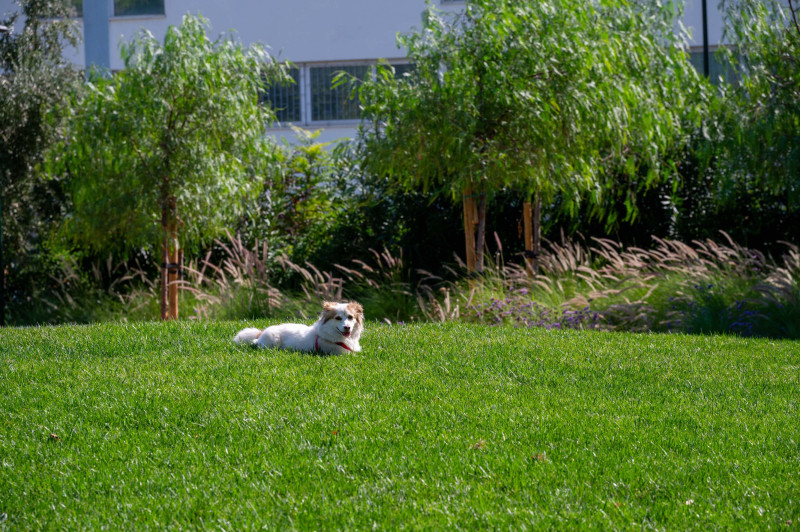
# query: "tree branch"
[[794, 17]]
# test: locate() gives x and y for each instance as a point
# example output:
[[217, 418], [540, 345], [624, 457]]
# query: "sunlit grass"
[[149, 426]]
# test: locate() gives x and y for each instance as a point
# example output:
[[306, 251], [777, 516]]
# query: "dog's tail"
[[247, 336]]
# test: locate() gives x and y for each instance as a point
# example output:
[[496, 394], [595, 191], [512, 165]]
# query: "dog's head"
[[346, 319]]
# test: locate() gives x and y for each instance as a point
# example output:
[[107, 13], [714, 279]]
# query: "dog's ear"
[[328, 311], [356, 309]]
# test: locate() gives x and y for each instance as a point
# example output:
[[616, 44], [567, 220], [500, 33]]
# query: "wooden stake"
[[479, 244], [174, 254], [532, 220], [526, 222], [537, 232], [164, 265], [469, 228]]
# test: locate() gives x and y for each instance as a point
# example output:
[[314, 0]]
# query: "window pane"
[[403, 69], [284, 98], [328, 103], [716, 69], [124, 8], [75, 8]]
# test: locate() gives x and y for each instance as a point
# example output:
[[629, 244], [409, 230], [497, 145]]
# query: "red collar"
[[340, 344]]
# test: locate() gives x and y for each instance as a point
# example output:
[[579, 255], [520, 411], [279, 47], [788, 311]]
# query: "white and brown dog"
[[335, 332]]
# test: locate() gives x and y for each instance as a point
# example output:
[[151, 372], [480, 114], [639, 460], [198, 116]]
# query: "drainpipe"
[[705, 40]]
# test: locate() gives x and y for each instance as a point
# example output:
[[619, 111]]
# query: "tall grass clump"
[[698, 287], [249, 283], [237, 286], [701, 287]]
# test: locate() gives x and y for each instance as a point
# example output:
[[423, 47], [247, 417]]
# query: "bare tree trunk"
[[469, 228], [174, 264], [533, 234], [537, 232], [480, 244], [526, 222], [164, 261]]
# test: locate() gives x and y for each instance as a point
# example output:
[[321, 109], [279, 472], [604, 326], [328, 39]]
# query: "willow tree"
[[543, 97], [609, 109], [759, 149], [161, 153], [436, 128]]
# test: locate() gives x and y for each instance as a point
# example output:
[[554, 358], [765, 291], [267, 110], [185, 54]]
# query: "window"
[[123, 8], [329, 103], [126, 8], [75, 8], [715, 67], [284, 98], [313, 98], [402, 69]]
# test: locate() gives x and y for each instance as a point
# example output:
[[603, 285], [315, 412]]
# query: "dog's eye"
[[350, 317], [339, 318]]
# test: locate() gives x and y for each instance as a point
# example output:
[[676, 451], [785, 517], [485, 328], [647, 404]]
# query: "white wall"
[[295, 30], [321, 30], [311, 31]]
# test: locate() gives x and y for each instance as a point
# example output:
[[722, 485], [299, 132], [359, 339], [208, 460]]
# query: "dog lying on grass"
[[335, 332]]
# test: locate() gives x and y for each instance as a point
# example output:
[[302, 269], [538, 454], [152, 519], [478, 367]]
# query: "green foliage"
[[742, 173], [181, 121], [34, 82], [151, 426], [308, 190], [554, 97], [761, 147]]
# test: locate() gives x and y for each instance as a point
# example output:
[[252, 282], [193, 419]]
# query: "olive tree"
[[34, 82], [163, 151]]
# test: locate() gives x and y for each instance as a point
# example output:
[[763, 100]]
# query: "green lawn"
[[150, 426]]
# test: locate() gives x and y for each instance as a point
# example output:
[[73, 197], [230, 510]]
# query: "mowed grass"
[[152, 426]]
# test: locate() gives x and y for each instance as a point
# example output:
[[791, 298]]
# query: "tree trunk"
[[164, 261], [479, 245], [537, 232], [170, 253], [469, 228], [526, 222], [174, 263], [533, 234]]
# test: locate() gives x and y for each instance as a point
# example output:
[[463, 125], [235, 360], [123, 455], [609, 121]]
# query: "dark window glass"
[[716, 68], [124, 8], [284, 98], [328, 103], [402, 69]]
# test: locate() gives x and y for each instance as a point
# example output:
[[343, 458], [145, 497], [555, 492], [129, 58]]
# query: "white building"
[[320, 37]]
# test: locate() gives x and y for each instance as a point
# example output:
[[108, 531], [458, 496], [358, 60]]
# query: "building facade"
[[319, 37]]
